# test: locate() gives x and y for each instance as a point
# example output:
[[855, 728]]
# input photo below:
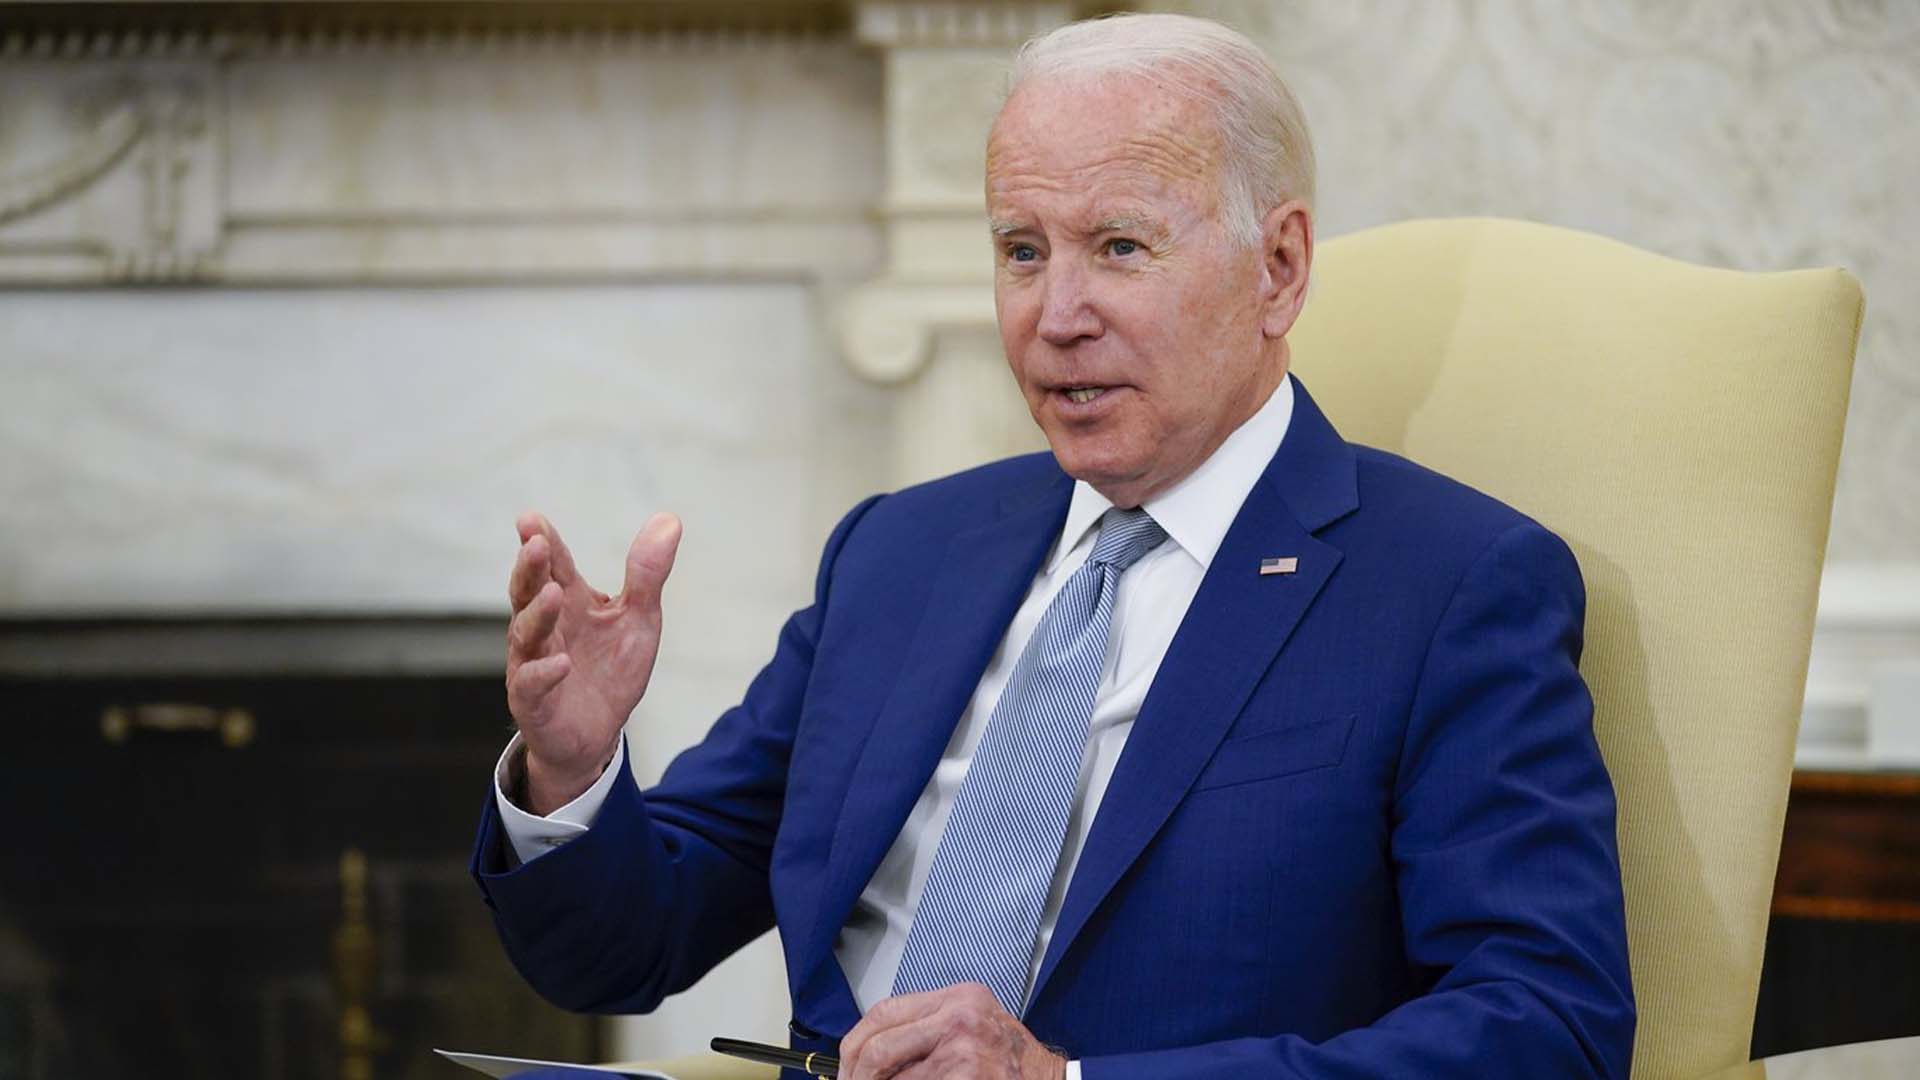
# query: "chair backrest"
[[1679, 427]]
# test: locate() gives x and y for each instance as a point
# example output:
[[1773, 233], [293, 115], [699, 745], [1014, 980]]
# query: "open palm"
[[578, 660]]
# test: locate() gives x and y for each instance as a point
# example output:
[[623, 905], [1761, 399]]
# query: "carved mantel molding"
[[137, 173], [359, 143]]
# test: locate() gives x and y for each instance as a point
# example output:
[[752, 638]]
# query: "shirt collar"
[[1197, 511]]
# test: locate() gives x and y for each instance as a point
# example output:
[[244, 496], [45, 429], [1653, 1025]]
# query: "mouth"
[[1085, 397]]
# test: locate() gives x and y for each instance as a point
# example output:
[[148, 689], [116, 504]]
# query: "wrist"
[[540, 787]]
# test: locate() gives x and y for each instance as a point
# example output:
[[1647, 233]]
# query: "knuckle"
[[879, 1054], [972, 1022], [853, 1048], [976, 995], [963, 1050]]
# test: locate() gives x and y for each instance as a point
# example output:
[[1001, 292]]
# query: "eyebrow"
[[1127, 223], [1116, 223]]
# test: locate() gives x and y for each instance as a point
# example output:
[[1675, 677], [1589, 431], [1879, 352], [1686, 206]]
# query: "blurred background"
[[302, 303]]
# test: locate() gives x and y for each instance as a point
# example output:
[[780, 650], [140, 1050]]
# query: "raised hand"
[[578, 660]]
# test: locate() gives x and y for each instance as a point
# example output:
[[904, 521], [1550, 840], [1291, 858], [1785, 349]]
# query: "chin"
[[1104, 470]]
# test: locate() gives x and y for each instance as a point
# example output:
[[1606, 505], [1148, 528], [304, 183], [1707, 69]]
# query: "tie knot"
[[1125, 535]]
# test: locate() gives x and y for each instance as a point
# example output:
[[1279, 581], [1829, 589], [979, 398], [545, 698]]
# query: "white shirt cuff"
[[1073, 1070], [533, 836]]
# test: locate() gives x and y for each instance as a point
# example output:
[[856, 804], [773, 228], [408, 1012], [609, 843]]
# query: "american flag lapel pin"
[[1285, 565]]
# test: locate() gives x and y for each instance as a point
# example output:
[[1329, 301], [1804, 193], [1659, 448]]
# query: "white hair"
[[1266, 156]]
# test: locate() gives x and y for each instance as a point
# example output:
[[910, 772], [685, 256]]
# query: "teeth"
[[1083, 394]]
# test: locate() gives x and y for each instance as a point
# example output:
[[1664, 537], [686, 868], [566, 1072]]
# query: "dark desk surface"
[[1851, 848]]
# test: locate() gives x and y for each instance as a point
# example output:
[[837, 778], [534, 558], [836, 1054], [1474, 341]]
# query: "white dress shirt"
[[1152, 601]]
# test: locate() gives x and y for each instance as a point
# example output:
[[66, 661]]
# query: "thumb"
[[650, 560]]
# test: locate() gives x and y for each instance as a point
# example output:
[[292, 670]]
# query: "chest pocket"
[[1271, 754]]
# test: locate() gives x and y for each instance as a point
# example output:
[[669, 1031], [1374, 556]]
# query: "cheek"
[[1018, 319]]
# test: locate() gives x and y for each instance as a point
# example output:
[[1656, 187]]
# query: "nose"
[[1067, 312]]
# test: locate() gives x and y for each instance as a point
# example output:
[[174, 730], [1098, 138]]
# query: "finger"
[[887, 1014], [530, 571], [527, 524], [906, 1008], [952, 1040], [531, 682], [949, 1060], [532, 523], [530, 635], [898, 1048], [650, 560]]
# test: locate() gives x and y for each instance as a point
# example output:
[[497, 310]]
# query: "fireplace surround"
[[250, 860]]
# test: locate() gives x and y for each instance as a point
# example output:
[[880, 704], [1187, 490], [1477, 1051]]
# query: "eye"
[[1122, 247], [1022, 253]]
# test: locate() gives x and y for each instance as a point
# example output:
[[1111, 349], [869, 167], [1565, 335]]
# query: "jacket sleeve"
[[1504, 855], [667, 882]]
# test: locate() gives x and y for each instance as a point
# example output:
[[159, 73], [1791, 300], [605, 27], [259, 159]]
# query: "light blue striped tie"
[[980, 911]]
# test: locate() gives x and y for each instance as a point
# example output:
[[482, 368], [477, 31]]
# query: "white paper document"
[[503, 1067]]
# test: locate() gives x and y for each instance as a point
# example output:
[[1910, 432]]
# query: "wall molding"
[[136, 172], [121, 124], [1866, 642], [71, 26], [948, 24], [281, 645]]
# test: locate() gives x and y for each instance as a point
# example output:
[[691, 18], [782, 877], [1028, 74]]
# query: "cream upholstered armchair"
[[1679, 427]]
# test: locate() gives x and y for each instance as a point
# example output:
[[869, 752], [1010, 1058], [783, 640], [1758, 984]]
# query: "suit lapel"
[[977, 589], [1236, 625]]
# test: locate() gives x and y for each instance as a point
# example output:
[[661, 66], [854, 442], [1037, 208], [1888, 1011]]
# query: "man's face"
[[1132, 321]]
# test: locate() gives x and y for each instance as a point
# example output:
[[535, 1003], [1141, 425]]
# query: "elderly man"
[[1207, 745]]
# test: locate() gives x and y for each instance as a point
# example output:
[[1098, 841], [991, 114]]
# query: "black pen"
[[821, 1065]]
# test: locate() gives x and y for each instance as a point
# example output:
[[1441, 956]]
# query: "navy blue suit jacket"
[[1360, 828]]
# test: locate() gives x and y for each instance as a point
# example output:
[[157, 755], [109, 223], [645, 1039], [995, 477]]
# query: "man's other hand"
[[959, 1033], [578, 660]]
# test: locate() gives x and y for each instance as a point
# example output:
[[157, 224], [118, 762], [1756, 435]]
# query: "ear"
[[1286, 257]]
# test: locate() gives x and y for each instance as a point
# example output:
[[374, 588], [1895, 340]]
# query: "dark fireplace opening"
[[253, 876]]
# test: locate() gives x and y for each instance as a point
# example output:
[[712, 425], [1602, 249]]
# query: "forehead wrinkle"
[[1093, 205], [1170, 156], [1163, 156], [1139, 169]]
